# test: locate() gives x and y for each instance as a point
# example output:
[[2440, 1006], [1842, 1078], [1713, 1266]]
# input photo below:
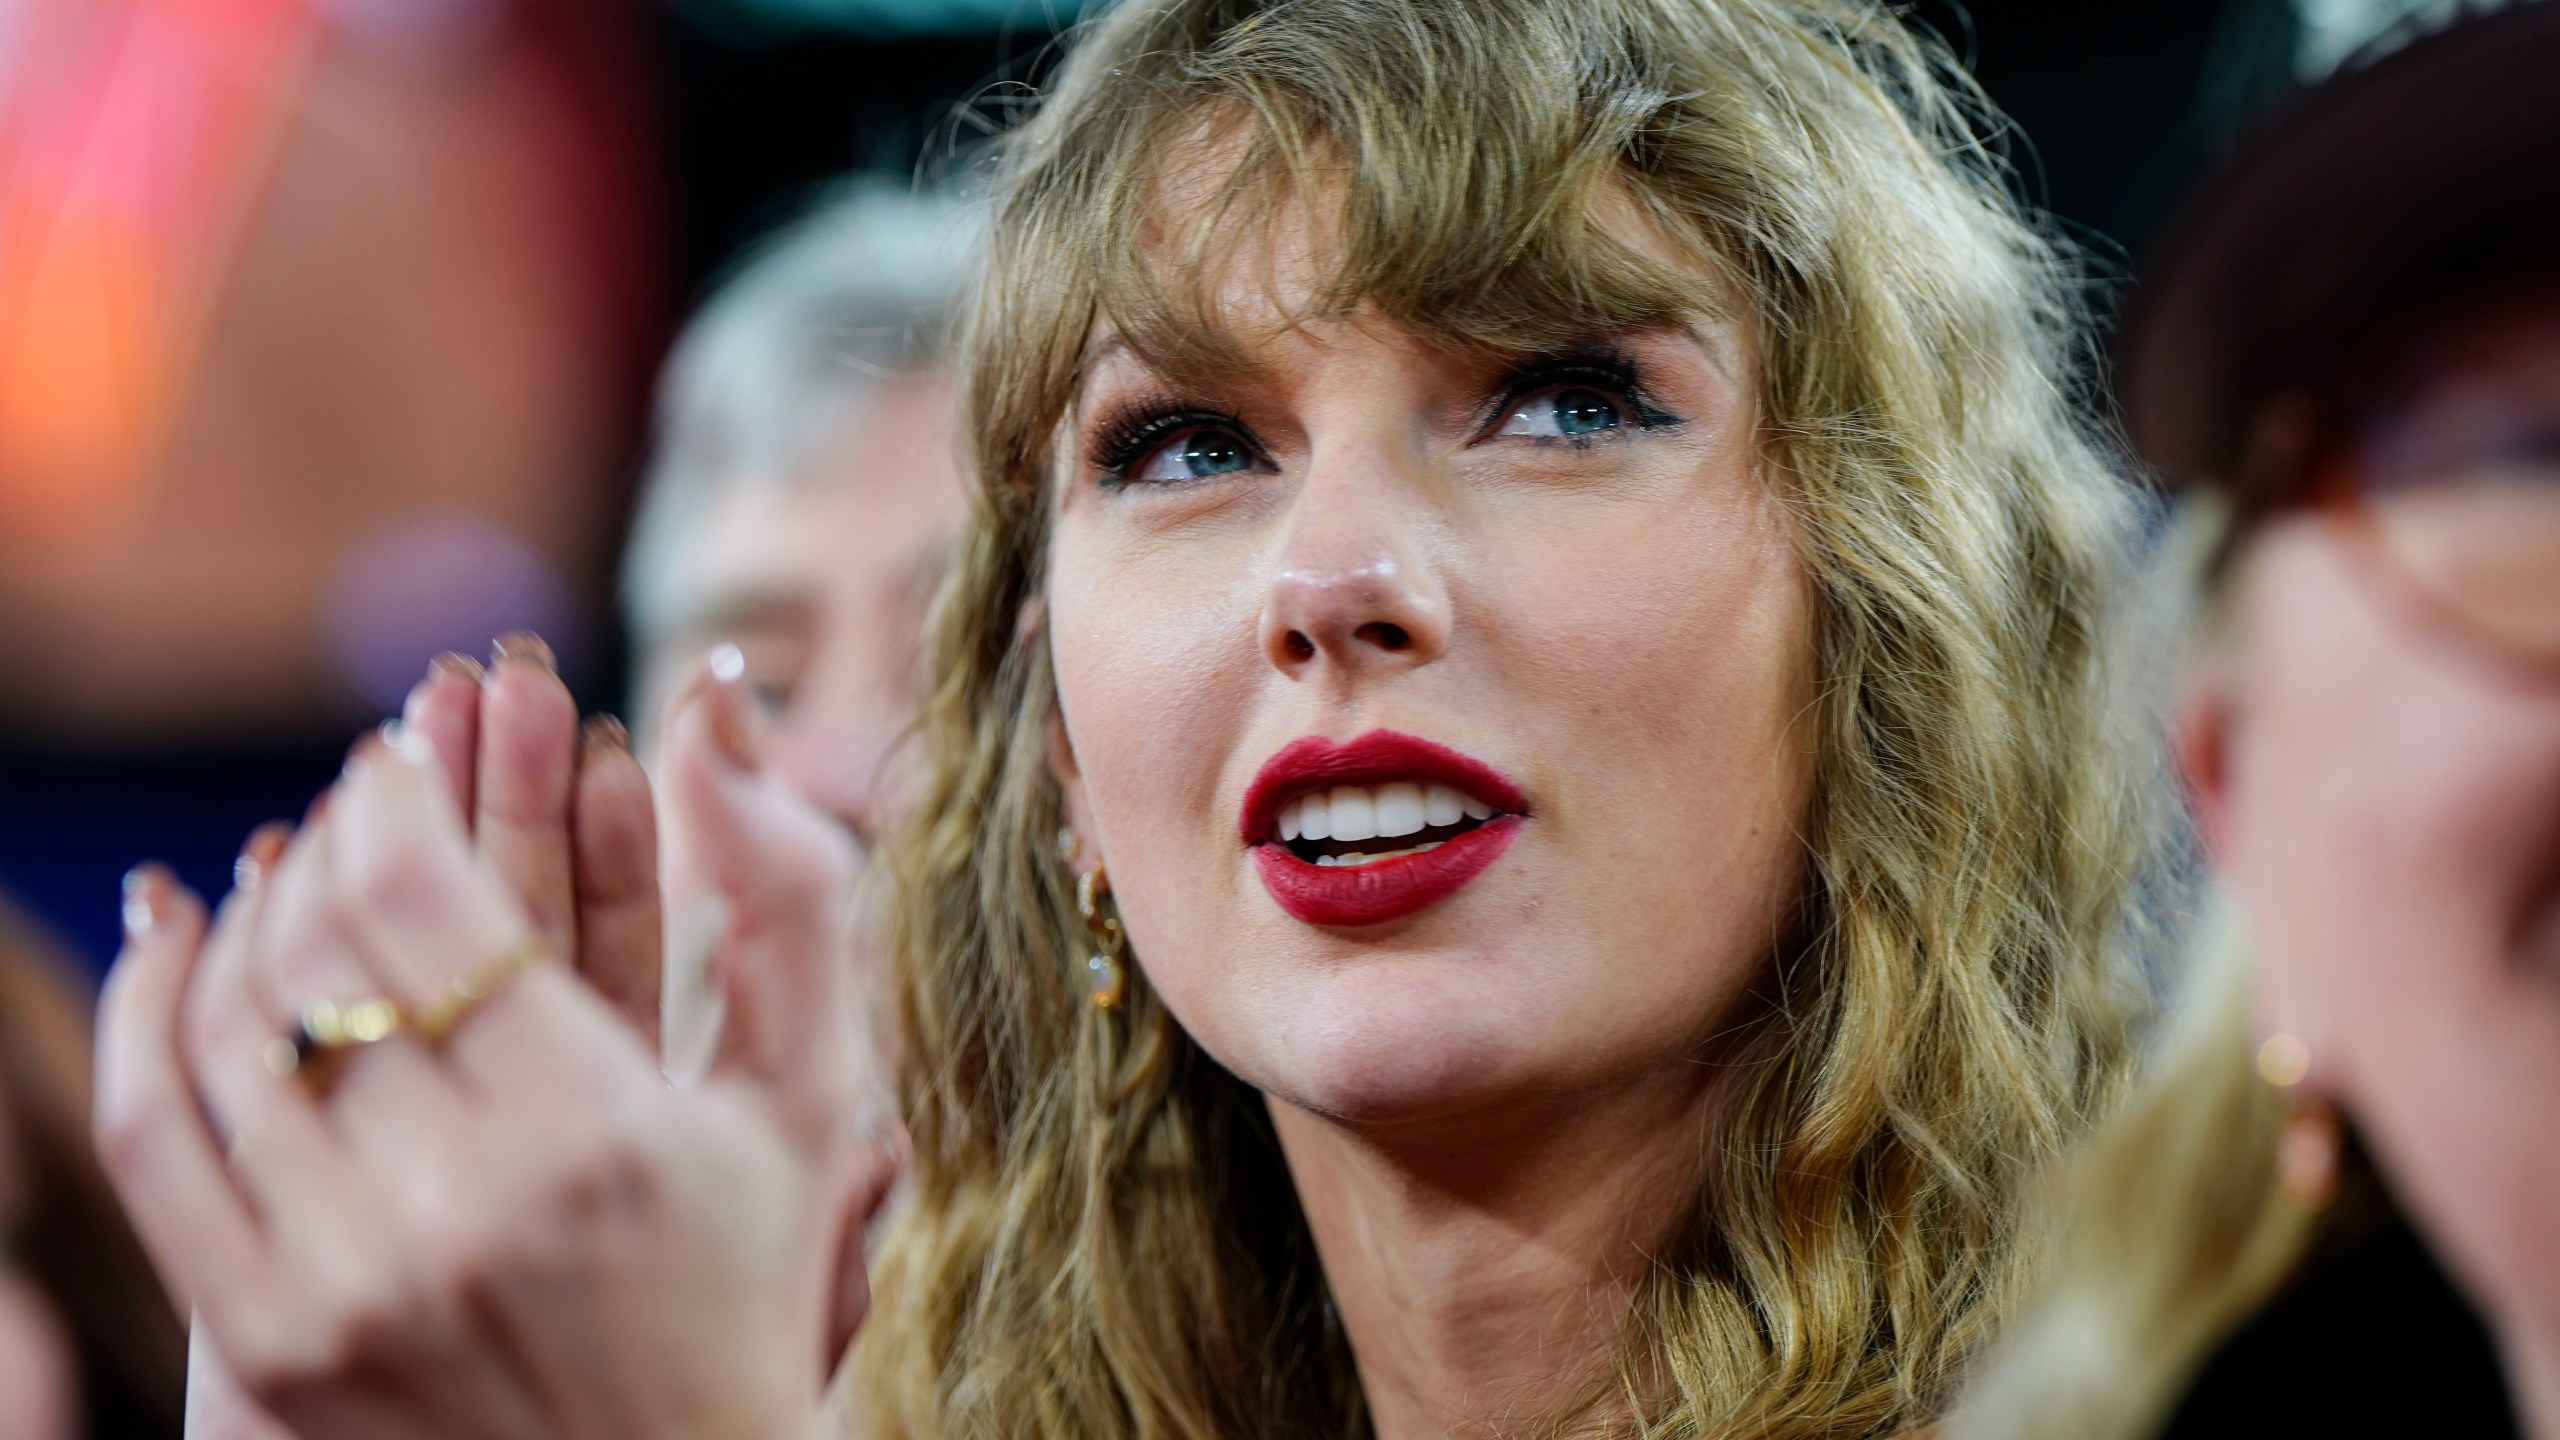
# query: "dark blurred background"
[[326, 332]]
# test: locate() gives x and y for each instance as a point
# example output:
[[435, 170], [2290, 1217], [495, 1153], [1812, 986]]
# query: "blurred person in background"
[[89, 1345], [801, 507], [2334, 1206]]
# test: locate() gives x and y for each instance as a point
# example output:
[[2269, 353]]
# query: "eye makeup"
[[1608, 367], [1134, 431]]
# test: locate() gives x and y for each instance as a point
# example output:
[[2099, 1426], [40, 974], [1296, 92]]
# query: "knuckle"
[[457, 1258], [125, 1131], [369, 1330], [611, 1172], [389, 877]]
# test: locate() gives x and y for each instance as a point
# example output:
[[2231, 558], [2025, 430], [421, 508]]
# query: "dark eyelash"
[[1608, 367], [1130, 430]]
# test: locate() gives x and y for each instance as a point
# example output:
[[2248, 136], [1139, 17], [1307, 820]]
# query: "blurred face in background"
[[2379, 752], [822, 581]]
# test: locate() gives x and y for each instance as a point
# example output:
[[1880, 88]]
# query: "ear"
[[1031, 627], [1062, 765], [2205, 737]]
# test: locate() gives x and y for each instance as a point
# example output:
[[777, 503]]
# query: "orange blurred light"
[[132, 135]]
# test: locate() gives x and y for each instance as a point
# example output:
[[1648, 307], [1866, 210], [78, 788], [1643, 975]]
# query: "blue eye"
[[1195, 454], [1568, 412]]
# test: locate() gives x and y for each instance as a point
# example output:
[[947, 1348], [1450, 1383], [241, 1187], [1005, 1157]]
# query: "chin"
[[1396, 1040]]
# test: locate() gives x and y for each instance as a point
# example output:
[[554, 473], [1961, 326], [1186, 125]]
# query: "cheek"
[[1155, 668], [2399, 801], [1667, 663]]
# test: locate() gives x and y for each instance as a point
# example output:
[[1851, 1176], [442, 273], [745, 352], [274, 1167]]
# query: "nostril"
[[1300, 647], [1385, 636]]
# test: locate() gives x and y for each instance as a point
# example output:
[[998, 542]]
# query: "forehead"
[[860, 515], [1239, 232]]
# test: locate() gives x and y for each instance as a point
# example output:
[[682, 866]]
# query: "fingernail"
[[454, 665], [146, 893], [258, 853], [407, 741], [603, 733], [526, 646], [734, 721]]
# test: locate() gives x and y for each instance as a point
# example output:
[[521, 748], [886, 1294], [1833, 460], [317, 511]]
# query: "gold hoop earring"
[[1110, 980]]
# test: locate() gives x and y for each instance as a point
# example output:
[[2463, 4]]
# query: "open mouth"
[[1364, 824], [1375, 829]]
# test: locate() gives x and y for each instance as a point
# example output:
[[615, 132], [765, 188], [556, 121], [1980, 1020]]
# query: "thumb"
[[874, 1170], [760, 884]]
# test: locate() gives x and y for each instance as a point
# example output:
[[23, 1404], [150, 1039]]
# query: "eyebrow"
[[767, 608]]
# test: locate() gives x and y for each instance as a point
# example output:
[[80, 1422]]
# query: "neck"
[[1482, 1269], [2531, 1358]]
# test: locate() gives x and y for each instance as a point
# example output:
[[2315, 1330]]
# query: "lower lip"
[[1382, 890]]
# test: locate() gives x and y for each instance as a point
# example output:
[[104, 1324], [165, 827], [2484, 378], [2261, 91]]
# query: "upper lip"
[[1379, 756]]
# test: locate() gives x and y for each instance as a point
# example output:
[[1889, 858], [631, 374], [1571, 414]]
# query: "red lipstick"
[[1380, 890]]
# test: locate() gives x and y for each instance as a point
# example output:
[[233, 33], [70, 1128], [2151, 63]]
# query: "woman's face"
[[1438, 714], [2383, 792]]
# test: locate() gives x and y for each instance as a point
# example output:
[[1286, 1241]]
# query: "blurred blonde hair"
[[1101, 1239], [2169, 1231], [2172, 1226]]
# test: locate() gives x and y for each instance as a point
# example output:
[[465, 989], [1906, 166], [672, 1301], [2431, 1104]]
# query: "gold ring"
[[439, 1018], [325, 1031]]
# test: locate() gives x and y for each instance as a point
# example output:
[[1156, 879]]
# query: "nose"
[[1355, 590]]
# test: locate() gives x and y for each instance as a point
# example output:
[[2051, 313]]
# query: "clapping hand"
[[518, 1227]]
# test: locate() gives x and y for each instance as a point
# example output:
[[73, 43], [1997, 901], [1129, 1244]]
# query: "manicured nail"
[[603, 733], [526, 646], [146, 899], [259, 854], [454, 665], [734, 721], [407, 741]]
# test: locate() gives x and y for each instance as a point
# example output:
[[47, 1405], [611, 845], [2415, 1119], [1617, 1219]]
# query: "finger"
[[621, 944], [217, 1408], [527, 771], [279, 1147], [784, 874], [390, 1103], [875, 1171], [445, 708], [435, 909], [150, 1127]]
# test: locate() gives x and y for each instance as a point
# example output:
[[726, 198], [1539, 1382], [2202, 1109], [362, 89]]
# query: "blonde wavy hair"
[[1101, 1238]]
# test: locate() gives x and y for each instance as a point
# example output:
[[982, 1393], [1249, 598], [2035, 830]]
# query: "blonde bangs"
[[1469, 180]]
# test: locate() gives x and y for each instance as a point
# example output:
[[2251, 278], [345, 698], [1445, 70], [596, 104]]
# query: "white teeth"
[[1315, 818], [1355, 815], [1357, 812], [1442, 806], [1399, 809]]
